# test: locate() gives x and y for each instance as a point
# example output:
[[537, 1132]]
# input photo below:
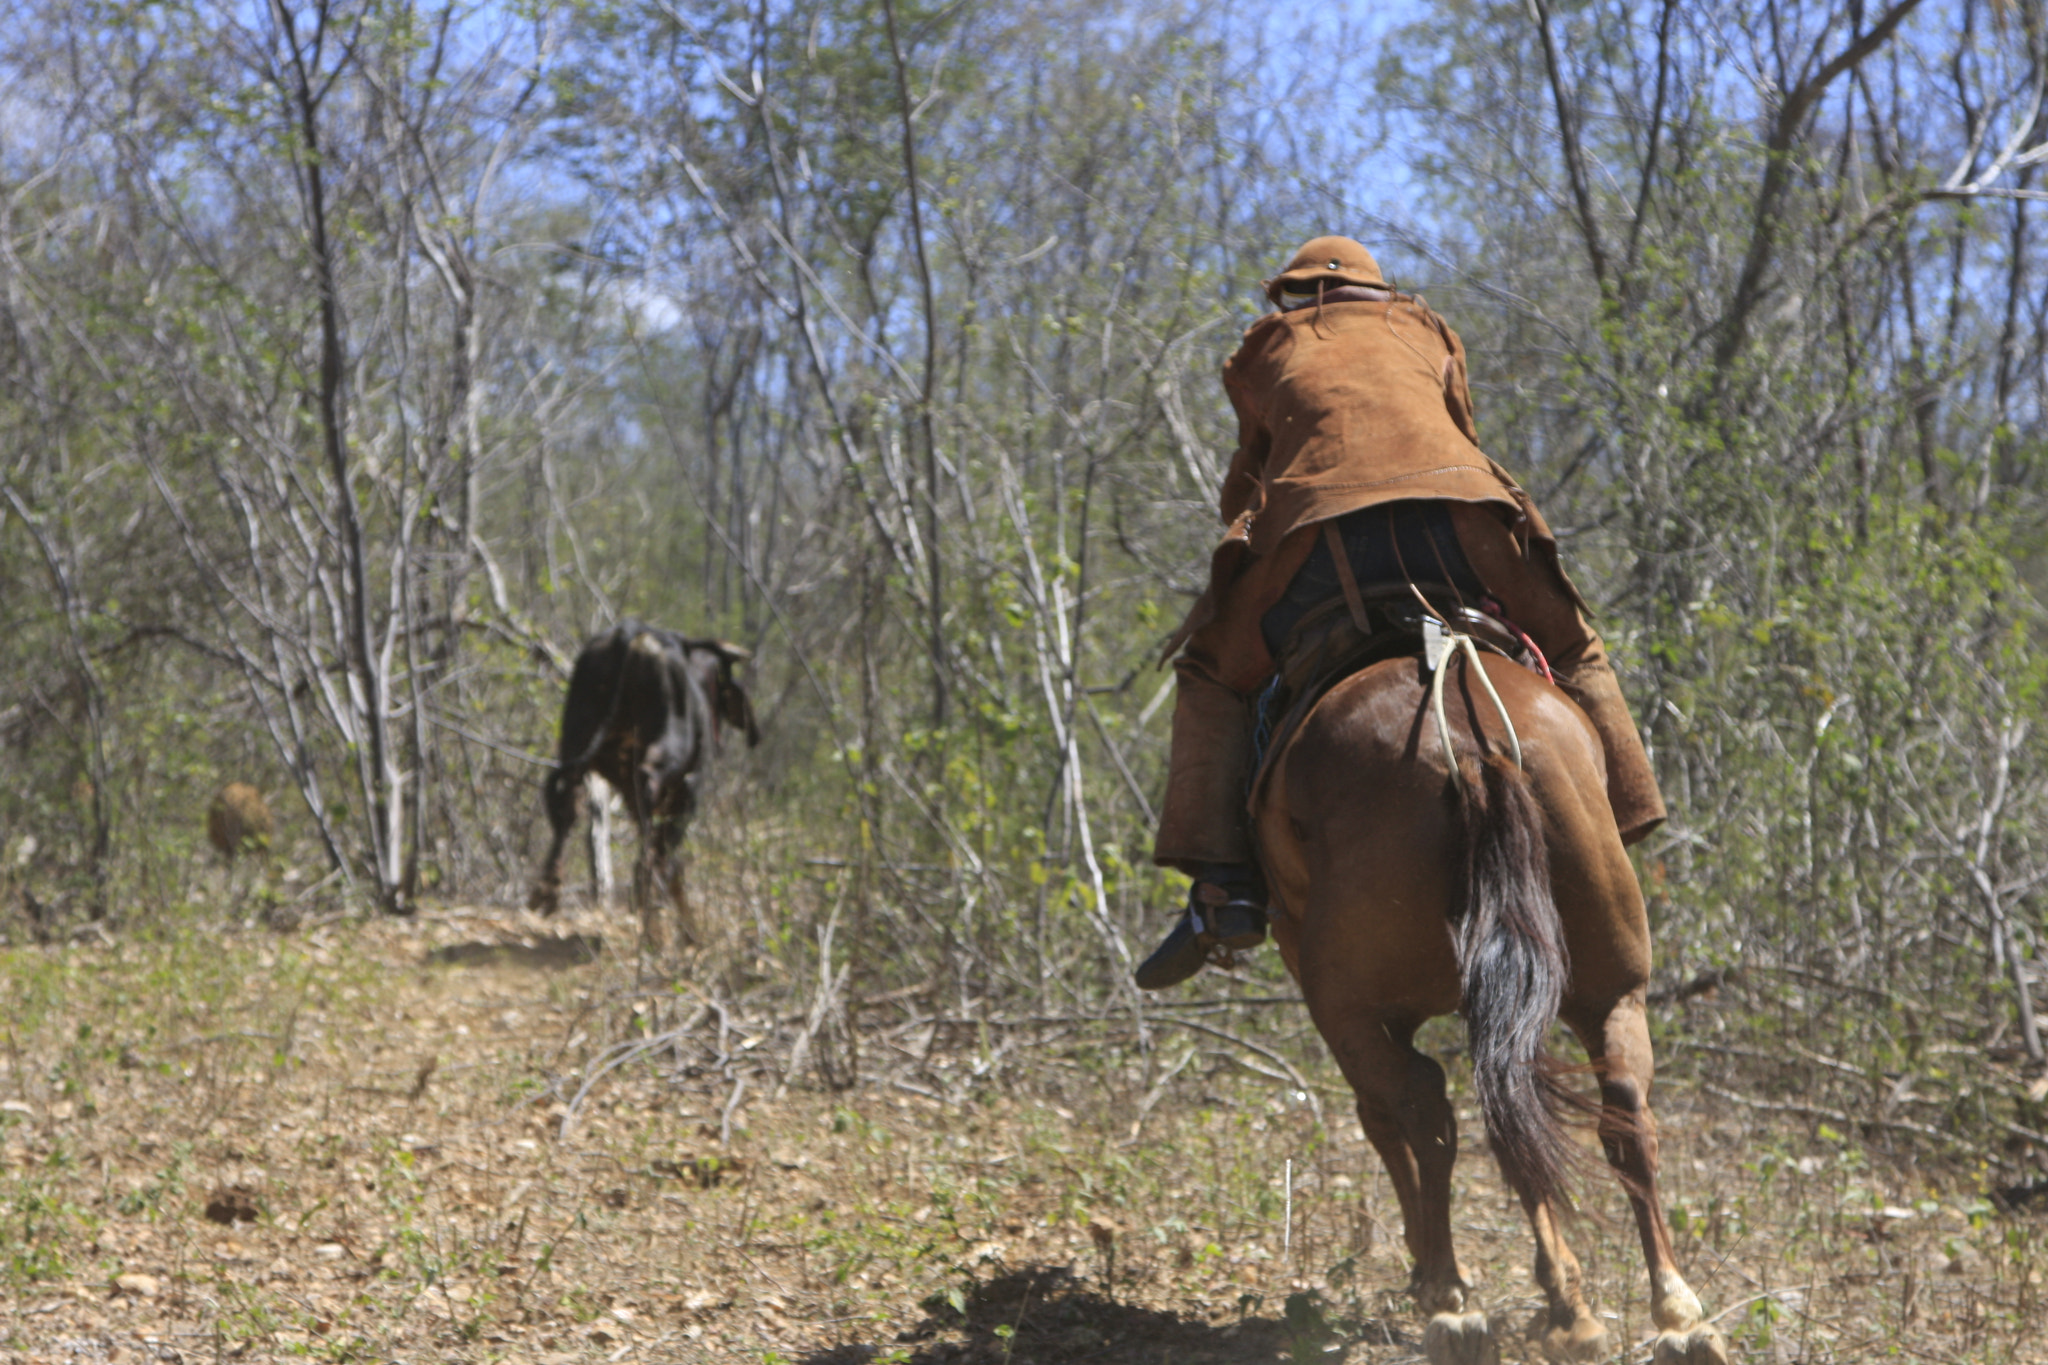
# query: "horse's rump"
[[1405, 887], [1368, 744], [1338, 641]]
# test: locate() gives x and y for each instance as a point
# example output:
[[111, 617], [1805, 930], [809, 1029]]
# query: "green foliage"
[[639, 328], [1309, 1334]]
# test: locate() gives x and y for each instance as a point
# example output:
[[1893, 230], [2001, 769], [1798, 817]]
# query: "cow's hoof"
[[1573, 1343], [1700, 1345], [1460, 1339]]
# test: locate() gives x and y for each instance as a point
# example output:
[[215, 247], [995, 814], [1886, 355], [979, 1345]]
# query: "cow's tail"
[[1512, 961]]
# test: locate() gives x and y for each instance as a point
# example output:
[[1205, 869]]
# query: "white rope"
[[1456, 642]]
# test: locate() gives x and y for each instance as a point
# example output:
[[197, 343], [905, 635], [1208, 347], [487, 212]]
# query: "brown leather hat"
[[1334, 260]]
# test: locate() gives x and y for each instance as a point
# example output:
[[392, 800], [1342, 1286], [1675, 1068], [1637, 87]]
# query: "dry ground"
[[358, 1143]]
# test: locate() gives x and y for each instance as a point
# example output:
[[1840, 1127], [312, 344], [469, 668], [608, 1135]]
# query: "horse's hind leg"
[[1566, 1331], [1409, 1121], [1619, 1044]]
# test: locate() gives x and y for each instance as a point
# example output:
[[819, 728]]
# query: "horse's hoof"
[[1700, 1345], [1460, 1339], [1673, 1305], [1574, 1343]]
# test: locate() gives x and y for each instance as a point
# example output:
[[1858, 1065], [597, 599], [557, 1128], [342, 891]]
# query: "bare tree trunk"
[[935, 604], [92, 696], [1568, 141], [1766, 217], [2011, 734], [377, 778]]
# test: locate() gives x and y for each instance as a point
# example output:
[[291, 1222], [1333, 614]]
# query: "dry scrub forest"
[[361, 358]]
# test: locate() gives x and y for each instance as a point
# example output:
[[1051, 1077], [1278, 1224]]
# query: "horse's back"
[[1361, 833]]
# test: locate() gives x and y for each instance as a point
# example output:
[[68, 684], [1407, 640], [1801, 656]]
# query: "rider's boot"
[[1226, 908]]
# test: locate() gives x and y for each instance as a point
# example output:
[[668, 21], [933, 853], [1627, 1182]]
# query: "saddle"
[[1348, 634]]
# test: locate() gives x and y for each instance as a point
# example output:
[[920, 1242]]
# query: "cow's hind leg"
[[1409, 1121], [563, 796], [649, 892], [1619, 1044], [667, 892]]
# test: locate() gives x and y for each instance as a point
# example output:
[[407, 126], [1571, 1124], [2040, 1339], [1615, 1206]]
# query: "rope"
[[1457, 642], [1453, 641]]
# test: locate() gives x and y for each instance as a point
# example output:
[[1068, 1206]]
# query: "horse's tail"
[[1511, 957]]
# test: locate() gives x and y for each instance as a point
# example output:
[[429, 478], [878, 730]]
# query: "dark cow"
[[644, 712]]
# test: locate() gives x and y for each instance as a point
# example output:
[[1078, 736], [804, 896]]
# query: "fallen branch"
[[617, 1055], [1300, 1082], [1814, 1111]]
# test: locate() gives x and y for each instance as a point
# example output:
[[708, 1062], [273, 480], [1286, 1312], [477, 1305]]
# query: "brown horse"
[[1401, 893]]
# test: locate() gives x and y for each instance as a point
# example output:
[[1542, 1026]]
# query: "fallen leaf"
[[137, 1286]]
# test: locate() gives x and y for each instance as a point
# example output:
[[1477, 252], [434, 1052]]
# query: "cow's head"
[[729, 703]]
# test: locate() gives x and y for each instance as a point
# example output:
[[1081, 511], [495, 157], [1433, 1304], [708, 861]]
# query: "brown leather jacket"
[[1350, 404], [1358, 401]]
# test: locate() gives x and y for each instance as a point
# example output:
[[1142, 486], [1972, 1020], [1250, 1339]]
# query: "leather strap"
[[1345, 578]]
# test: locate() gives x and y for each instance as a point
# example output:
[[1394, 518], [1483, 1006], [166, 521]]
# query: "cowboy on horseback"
[[1358, 464]]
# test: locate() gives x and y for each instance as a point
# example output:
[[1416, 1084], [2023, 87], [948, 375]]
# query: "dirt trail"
[[361, 1147]]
